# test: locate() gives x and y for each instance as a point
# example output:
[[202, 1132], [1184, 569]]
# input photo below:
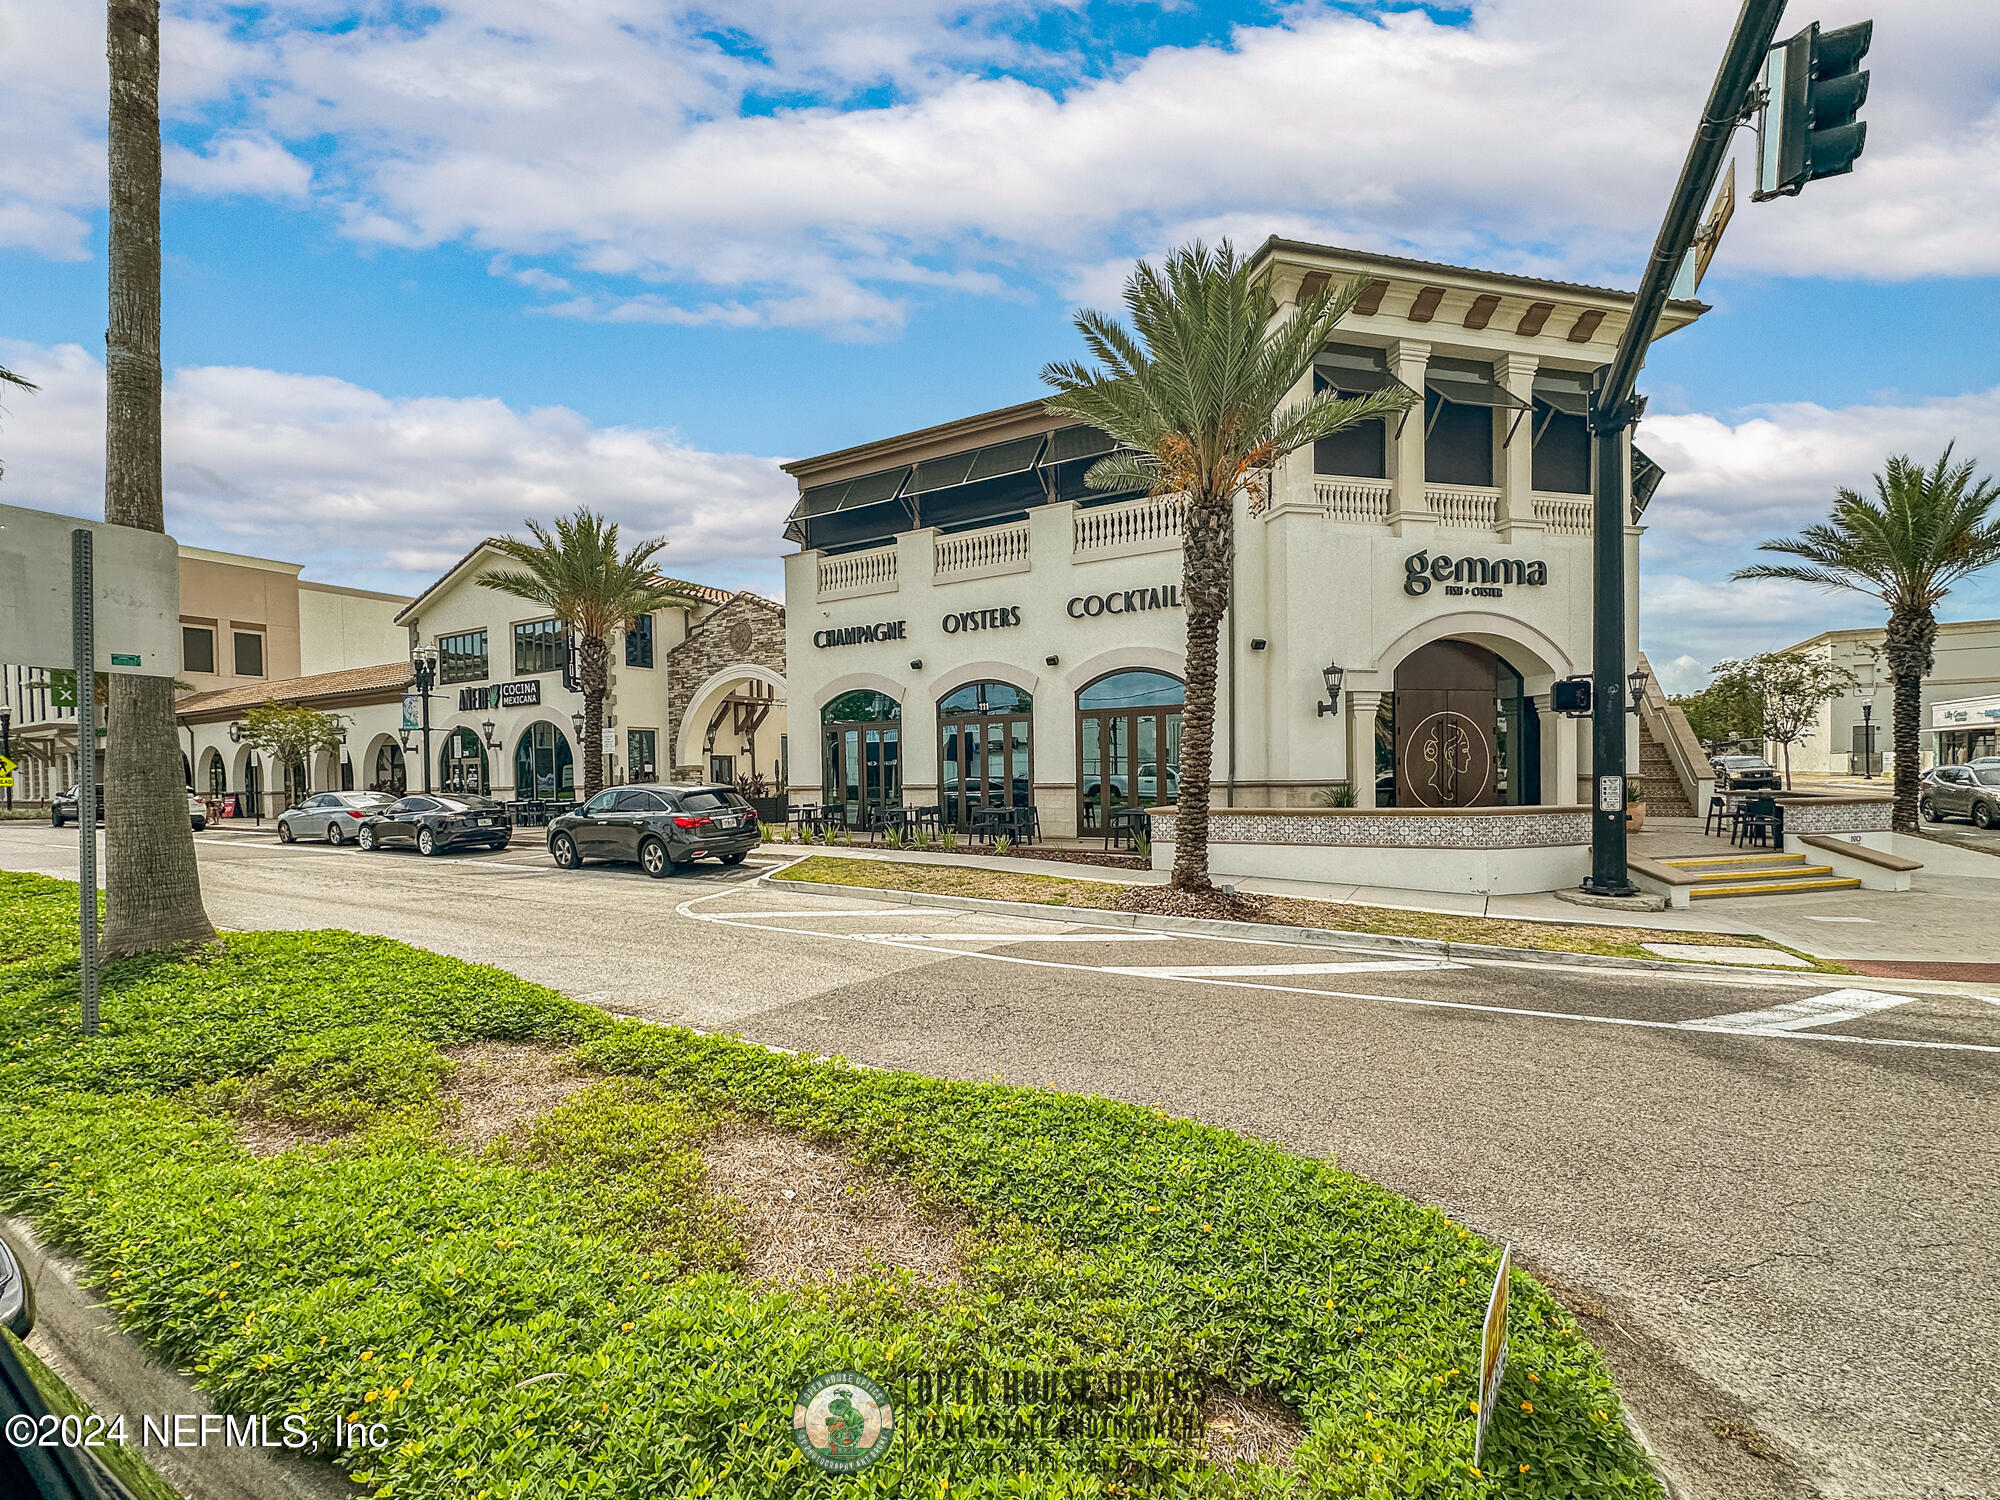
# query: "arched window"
[[1128, 729], [987, 698], [218, 775], [390, 776], [462, 764], [861, 755], [543, 766]]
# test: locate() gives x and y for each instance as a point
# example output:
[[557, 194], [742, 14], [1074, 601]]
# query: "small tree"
[[1723, 711], [293, 735], [1789, 686]]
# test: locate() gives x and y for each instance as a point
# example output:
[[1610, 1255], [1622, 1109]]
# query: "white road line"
[[1026, 937], [1796, 1015], [1233, 971], [686, 909]]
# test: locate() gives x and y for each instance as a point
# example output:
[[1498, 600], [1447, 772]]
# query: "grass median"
[[264, 1162], [1333, 916]]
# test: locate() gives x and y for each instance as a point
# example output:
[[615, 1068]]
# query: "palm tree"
[[1193, 395], [152, 889], [1924, 530], [578, 576]]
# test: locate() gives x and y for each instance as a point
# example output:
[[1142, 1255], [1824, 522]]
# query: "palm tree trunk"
[[152, 887], [1907, 645], [1208, 543], [594, 666]]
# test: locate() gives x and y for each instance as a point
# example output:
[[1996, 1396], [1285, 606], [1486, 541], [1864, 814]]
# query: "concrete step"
[[1699, 861], [1774, 888], [1784, 872]]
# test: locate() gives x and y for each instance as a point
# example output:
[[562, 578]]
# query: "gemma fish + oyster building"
[[972, 629]]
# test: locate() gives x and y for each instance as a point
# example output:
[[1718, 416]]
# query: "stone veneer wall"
[[1837, 814], [1411, 828], [747, 631]]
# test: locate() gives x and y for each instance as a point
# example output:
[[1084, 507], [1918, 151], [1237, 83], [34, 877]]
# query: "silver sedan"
[[332, 816]]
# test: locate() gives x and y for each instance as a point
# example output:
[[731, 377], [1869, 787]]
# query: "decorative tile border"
[[1401, 828], [1846, 815]]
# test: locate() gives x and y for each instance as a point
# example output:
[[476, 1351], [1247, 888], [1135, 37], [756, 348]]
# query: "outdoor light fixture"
[[1333, 671], [916, 666], [1258, 643], [403, 738], [235, 732], [1051, 660], [1635, 685], [486, 732], [576, 723]]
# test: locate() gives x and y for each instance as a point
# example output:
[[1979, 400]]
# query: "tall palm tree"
[[578, 576], [152, 889], [1924, 530], [1194, 393]]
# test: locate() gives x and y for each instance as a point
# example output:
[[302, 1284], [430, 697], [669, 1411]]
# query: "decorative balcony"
[[850, 575], [1564, 515], [1145, 525], [1352, 499], [986, 553], [1462, 508]]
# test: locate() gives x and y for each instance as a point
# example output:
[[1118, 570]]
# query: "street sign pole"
[[83, 623], [1614, 409]]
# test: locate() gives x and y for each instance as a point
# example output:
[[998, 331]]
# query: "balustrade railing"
[[1129, 526], [1353, 499], [1564, 515], [996, 549], [1475, 510], [851, 573]]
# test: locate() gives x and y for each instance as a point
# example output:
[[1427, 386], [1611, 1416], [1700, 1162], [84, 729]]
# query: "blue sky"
[[432, 268]]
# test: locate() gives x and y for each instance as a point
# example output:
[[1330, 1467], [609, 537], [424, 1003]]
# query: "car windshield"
[[468, 804]]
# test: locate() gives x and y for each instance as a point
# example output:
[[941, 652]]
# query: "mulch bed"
[[1165, 901]]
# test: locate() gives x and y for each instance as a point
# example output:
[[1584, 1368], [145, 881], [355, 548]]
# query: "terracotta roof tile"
[[388, 677]]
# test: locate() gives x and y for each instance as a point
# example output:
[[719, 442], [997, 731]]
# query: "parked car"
[[59, 1470], [1961, 792], [333, 816], [659, 827], [1746, 773], [438, 821], [62, 808]]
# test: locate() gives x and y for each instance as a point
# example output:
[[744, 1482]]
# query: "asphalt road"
[[1771, 1197]]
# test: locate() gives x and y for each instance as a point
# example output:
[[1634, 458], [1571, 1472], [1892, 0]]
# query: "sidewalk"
[[1950, 915]]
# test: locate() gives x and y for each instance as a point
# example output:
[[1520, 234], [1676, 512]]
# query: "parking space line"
[[1795, 1015]]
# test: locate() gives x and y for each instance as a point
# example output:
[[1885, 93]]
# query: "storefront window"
[[1128, 745], [543, 766], [984, 735], [639, 642], [218, 775], [389, 773], [861, 764], [462, 765], [640, 757]]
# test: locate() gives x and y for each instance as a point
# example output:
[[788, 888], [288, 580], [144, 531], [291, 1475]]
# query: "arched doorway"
[[1460, 731], [215, 775], [861, 765], [462, 765], [388, 774], [984, 730], [1128, 728], [543, 765], [253, 789]]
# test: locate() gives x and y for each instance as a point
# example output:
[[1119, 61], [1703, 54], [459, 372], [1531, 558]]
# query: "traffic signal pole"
[[1614, 409]]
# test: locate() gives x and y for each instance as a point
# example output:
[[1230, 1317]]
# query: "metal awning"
[[1646, 477], [1066, 444], [1567, 391], [1471, 382], [1358, 370], [995, 461], [845, 494]]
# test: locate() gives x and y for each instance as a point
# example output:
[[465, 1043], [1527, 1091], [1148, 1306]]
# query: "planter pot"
[[1635, 816]]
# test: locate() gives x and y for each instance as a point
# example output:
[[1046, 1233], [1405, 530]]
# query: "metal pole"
[[1613, 410], [7, 749], [424, 687], [83, 600]]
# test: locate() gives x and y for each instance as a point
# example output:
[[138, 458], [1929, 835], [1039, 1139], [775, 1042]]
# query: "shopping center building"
[[1959, 706], [971, 627]]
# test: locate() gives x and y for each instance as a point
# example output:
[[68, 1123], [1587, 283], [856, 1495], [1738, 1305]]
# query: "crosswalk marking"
[[1798, 1015]]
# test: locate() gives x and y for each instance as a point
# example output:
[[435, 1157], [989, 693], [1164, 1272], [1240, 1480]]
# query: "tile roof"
[[1404, 263], [388, 677]]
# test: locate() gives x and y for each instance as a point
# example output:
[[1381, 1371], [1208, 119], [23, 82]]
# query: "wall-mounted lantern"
[[1333, 671]]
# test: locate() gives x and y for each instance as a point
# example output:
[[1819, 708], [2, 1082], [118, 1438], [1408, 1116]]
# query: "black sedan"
[[659, 827], [435, 822]]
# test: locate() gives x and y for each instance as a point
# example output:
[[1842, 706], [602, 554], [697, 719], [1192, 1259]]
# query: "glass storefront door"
[[1128, 745], [462, 766], [984, 730], [861, 767]]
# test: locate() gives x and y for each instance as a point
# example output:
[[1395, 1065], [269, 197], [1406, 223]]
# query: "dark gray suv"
[[659, 827]]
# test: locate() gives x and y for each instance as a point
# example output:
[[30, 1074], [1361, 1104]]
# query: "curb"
[[1331, 937]]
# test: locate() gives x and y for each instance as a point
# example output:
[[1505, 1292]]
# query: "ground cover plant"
[[1335, 916], [568, 1311]]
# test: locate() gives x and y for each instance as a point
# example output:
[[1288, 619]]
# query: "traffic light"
[[1814, 89]]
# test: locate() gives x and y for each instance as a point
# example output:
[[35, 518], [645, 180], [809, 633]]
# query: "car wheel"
[[426, 842], [1927, 810], [732, 859], [366, 839], [333, 835], [562, 849], [654, 859], [55, 820], [1982, 815], [285, 834]]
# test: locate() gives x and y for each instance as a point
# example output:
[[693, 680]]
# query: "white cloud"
[[254, 165], [626, 136], [373, 491], [1733, 484]]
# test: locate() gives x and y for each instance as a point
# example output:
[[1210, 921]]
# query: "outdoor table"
[[1126, 824]]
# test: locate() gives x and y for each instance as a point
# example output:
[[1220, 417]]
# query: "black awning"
[[994, 461], [1356, 369], [1567, 391], [1469, 382], [1079, 441], [1646, 477], [845, 494]]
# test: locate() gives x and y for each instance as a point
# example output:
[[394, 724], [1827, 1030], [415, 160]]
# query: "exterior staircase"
[[1756, 874], [1665, 797]]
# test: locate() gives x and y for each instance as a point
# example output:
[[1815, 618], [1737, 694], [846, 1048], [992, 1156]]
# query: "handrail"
[[1672, 732], [871, 572], [995, 549], [1130, 525]]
